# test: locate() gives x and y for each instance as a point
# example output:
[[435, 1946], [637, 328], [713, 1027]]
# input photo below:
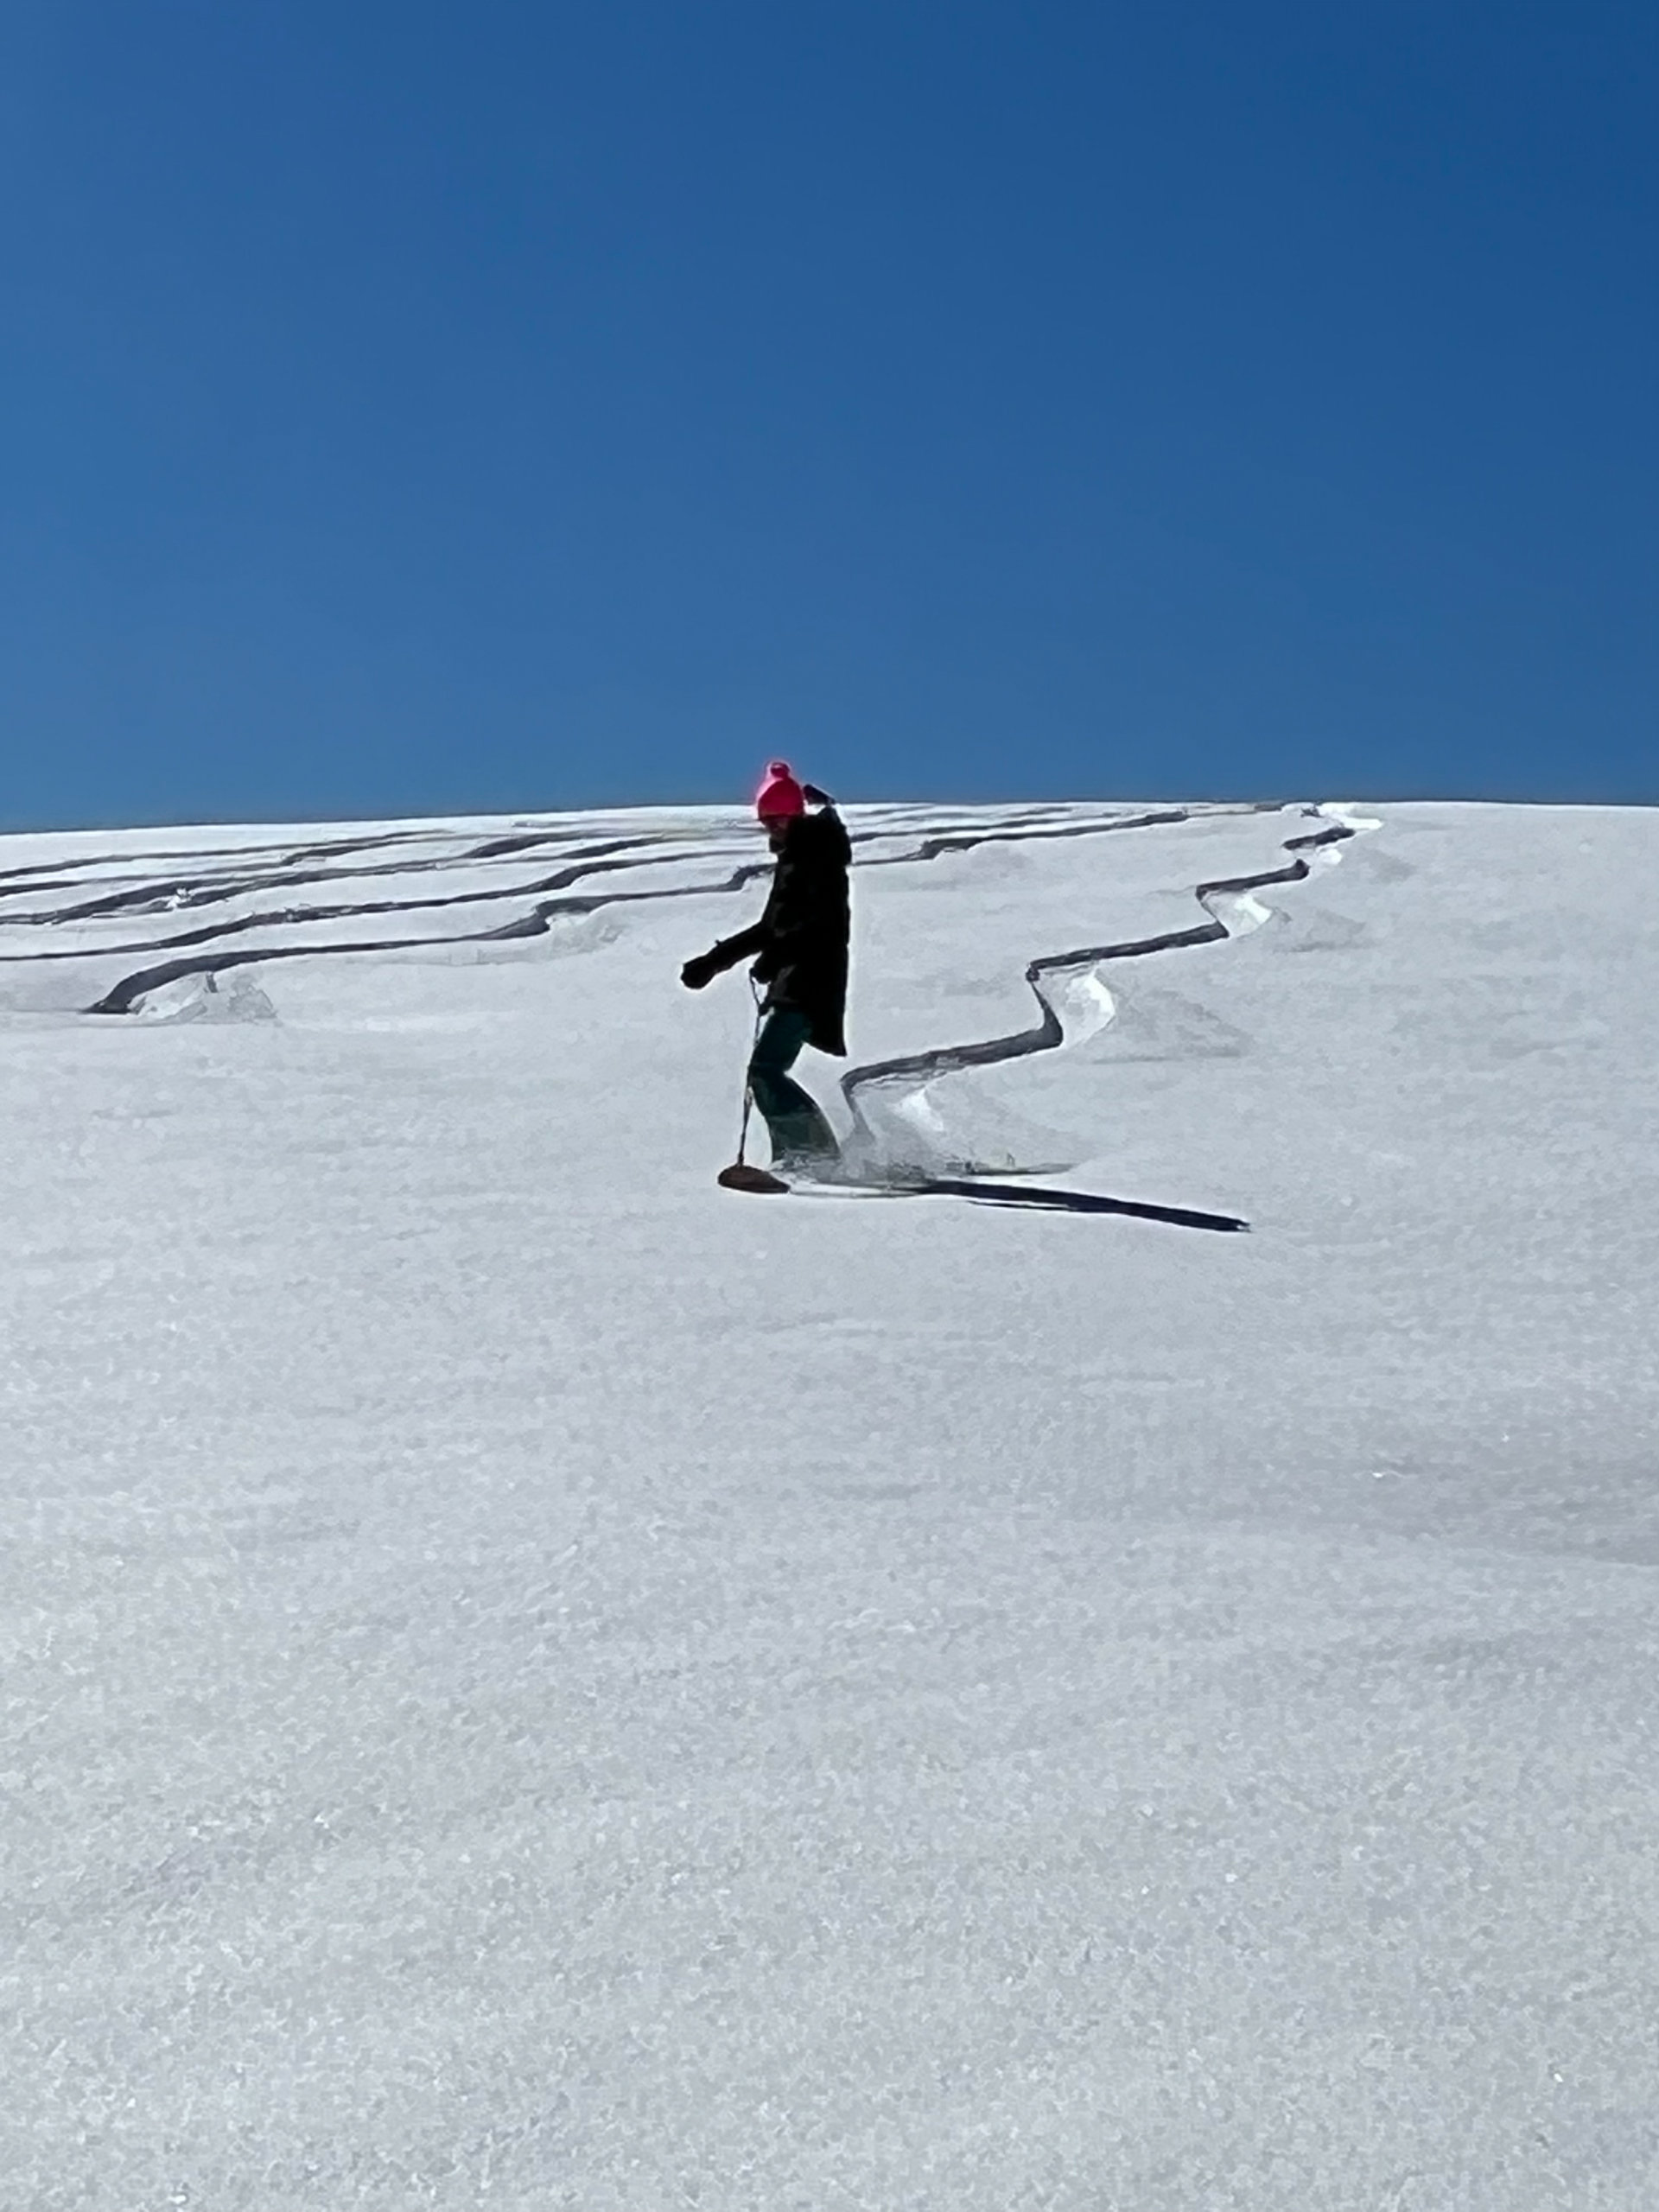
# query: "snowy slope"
[[532, 1681]]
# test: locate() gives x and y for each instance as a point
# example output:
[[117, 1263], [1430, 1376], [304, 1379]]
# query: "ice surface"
[[532, 1681]]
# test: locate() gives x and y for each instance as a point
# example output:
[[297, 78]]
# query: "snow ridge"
[[127, 996], [1231, 909]]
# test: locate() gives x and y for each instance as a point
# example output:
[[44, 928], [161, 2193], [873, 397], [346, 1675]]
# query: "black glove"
[[814, 796], [697, 973]]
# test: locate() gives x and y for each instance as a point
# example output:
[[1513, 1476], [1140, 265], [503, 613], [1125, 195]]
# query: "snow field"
[[532, 1681]]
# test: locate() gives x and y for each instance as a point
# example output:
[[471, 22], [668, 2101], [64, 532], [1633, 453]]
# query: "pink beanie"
[[780, 795]]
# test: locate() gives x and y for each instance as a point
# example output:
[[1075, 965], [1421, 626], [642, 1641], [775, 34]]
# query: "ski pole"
[[748, 1080]]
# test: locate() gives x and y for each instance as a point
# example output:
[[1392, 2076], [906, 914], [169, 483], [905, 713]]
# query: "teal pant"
[[796, 1127]]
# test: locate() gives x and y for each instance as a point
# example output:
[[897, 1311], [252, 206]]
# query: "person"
[[800, 947]]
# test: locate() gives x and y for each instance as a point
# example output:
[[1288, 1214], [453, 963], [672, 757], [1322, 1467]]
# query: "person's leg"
[[797, 1127]]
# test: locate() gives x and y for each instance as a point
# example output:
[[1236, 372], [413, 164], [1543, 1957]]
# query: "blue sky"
[[516, 405]]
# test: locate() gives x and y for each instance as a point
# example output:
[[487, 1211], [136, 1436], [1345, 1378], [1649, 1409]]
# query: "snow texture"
[[532, 1681]]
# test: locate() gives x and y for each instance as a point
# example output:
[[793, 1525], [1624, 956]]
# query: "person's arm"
[[784, 922], [727, 954]]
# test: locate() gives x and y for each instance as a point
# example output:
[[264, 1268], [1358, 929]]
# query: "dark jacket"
[[801, 939]]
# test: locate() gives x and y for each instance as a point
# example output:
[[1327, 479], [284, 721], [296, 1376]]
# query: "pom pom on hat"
[[779, 796]]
